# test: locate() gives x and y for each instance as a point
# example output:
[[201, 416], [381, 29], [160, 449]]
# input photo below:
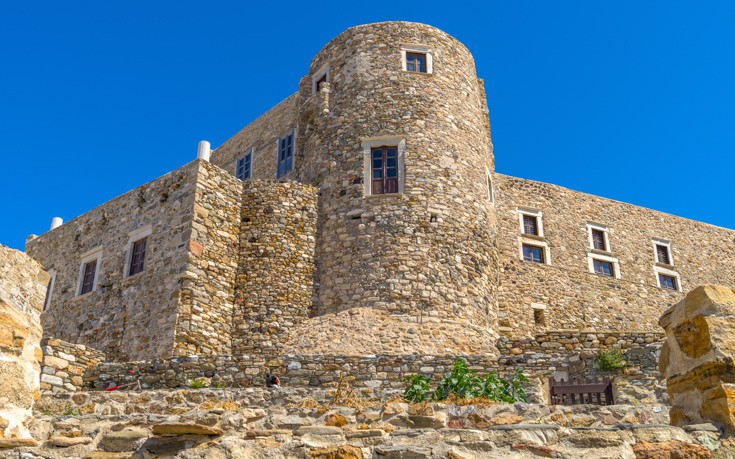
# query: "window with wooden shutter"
[[530, 225], [668, 282], [384, 170], [533, 253], [662, 254], [416, 62], [604, 267], [89, 271], [244, 167], [137, 259], [285, 154], [598, 240]]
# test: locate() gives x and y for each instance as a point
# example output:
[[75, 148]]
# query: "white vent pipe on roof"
[[56, 222], [204, 151]]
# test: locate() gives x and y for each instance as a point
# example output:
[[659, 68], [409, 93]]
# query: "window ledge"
[[384, 195], [665, 265], [418, 73], [86, 295], [533, 237], [600, 252], [130, 279]]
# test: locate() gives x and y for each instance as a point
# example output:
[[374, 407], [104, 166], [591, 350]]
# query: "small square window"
[[416, 62], [598, 240], [530, 225], [668, 282], [662, 254], [539, 317], [603, 267], [88, 275], [244, 166], [137, 258], [533, 253]]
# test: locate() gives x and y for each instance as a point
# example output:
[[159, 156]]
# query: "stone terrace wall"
[[22, 292], [204, 323], [125, 317], [578, 299], [64, 364], [261, 135], [275, 283]]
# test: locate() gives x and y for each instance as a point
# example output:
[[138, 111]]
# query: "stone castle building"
[[363, 215]]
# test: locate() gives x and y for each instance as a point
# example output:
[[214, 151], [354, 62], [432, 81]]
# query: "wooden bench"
[[581, 391]]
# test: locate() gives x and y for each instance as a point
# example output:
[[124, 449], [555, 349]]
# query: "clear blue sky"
[[630, 100]]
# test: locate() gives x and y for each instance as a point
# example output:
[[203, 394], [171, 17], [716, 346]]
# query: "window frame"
[[591, 228], [534, 246], [133, 237], [673, 278], [386, 182], [666, 244], [385, 141], [290, 133], [527, 212], [92, 255], [592, 257], [322, 73], [250, 154], [417, 49]]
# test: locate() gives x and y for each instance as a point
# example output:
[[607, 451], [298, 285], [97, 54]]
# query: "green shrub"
[[418, 388], [612, 360], [198, 383], [462, 382], [508, 390], [459, 381]]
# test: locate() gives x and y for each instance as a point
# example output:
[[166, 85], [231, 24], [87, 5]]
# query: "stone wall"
[[321, 424], [428, 250], [262, 136], [23, 286], [574, 297], [125, 317], [275, 285], [204, 323], [183, 298], [64, 364]]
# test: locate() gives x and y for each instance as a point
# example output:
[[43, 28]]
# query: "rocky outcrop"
[[698, 358], [22, 293]]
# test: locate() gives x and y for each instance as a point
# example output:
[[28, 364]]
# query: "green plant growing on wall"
[[612, 360], [418, 388], [198, 383], [461, 382]]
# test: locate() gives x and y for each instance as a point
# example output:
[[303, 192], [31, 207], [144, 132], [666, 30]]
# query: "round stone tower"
[[394, 132]]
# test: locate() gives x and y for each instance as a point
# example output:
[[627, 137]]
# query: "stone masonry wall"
[[23, 286], [275, 285], [578, 299], [124, 317], [428, 250], [64, 364], [204, 323], [262, 136]]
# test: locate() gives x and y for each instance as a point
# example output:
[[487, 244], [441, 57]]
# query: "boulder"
[[698, 357]]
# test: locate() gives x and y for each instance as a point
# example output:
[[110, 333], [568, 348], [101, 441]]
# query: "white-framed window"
[[89, 271], [383, 165], [244, 166], [417, 59], [534, 251], [667, 278], [531, 221], [320, 77], [603, 265], [662, 251], [136, 250], [50, 289], [598, 237], [286, 147]]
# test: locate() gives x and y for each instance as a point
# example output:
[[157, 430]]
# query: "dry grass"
[[227, 405]]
